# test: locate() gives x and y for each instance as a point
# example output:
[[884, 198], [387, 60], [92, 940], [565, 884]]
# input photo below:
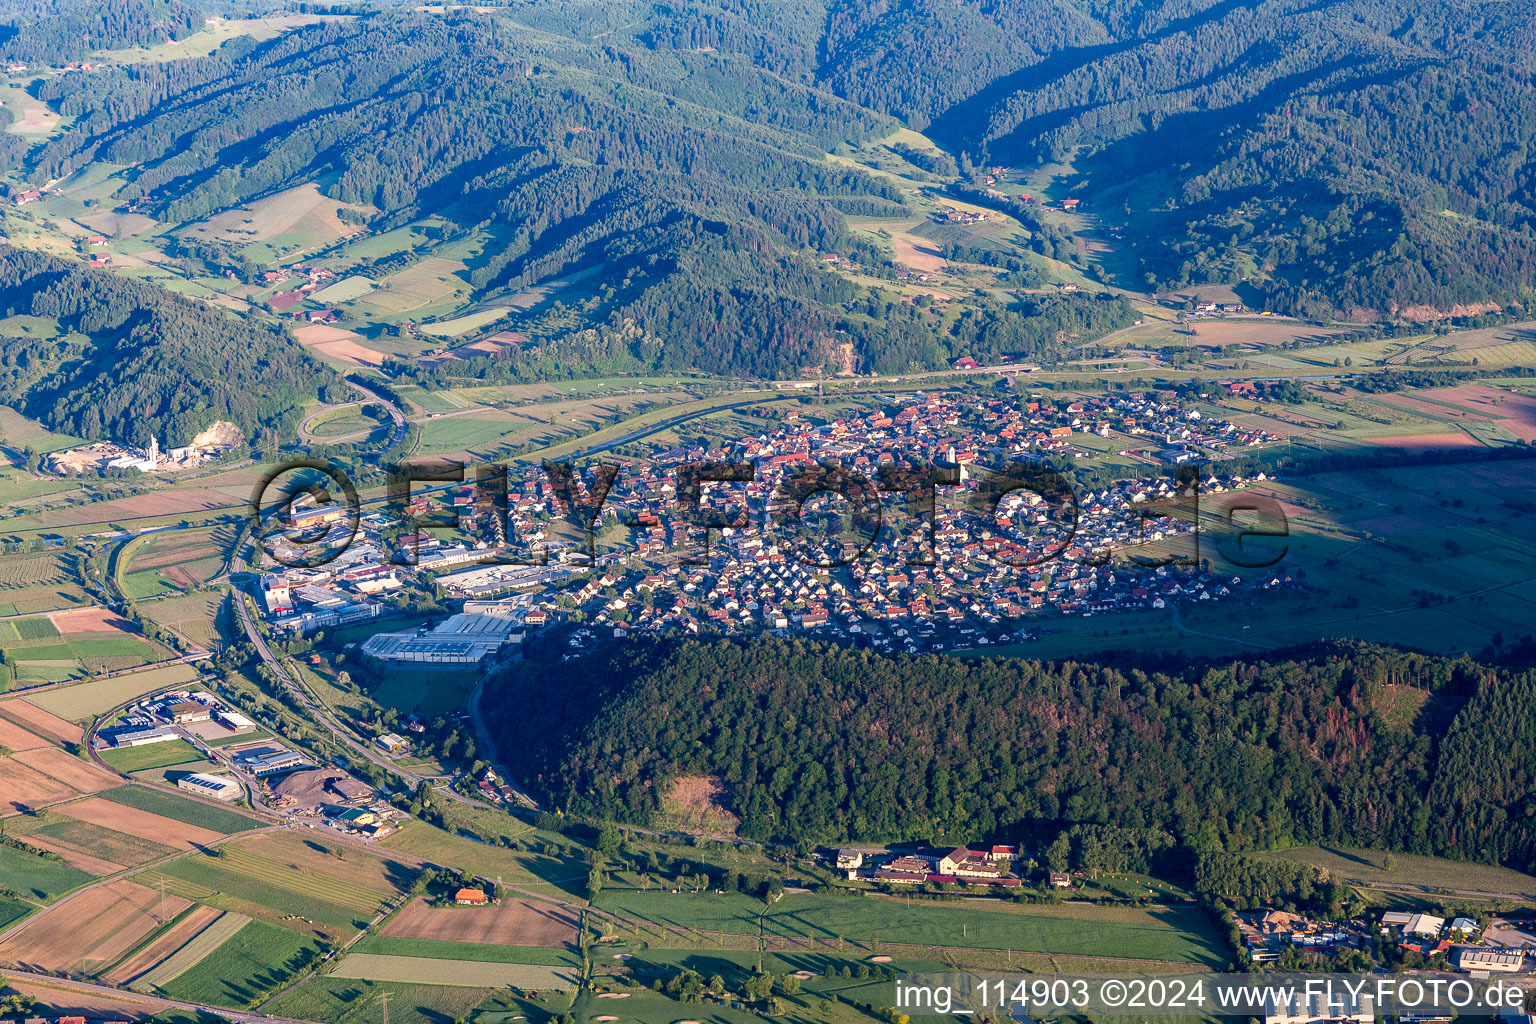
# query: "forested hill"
[[697, 184], [1370, 156], [1347, 744], [55, 33], [129, 360]]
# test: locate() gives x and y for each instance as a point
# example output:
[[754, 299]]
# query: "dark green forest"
[[825, 743], [1364, 156], [49, 33], [132, 360]]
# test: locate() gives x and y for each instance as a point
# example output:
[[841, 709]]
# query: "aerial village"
[[982, 586]]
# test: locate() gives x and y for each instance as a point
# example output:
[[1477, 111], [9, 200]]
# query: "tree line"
[[1146, 759]]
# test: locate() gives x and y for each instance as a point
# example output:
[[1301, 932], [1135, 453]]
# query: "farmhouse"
[[1060, 880], [393, 743], [962, 863], [847, 859], [471, 898]]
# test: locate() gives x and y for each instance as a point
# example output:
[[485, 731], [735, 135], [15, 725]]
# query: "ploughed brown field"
[[14, 737], [91, 620], [55, 1001], [91, 930], [134, 822], [162, 947], [97, 850], [511, 923], [87, 862], [45, 775], [141, 506], [71, 771], [33, 718]]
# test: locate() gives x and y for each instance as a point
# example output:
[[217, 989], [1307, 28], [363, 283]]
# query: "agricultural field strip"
[[332, 890], [1086, 934], [219, 931], [182, 809], [442, 949], [466, 973], [161, 944]]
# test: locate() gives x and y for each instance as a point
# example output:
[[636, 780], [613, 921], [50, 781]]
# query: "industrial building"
[[234, 720], [271, 761], [142, 737], [1303, 1007], [1491, 961], [216, 786], [463, 639], [187, 711]]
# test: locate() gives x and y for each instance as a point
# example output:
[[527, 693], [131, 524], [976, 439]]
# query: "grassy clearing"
[[40, 878], [356, 1001], [215, 819], [154, 755], [345, 290], [1370, 867], [1157, 934], [208, 39], [194, 616], [532, 870], [461, 433], [143, 585], [461, 325], [21, 431], [12, 911], [468, 973], [404, 691], [431, 401], [343, 423], [431, 280], [434, 949], [87, 700]]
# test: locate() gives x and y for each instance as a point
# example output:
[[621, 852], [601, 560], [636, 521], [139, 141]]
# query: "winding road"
[[155, 1004], [396, 416], [322, 716]]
